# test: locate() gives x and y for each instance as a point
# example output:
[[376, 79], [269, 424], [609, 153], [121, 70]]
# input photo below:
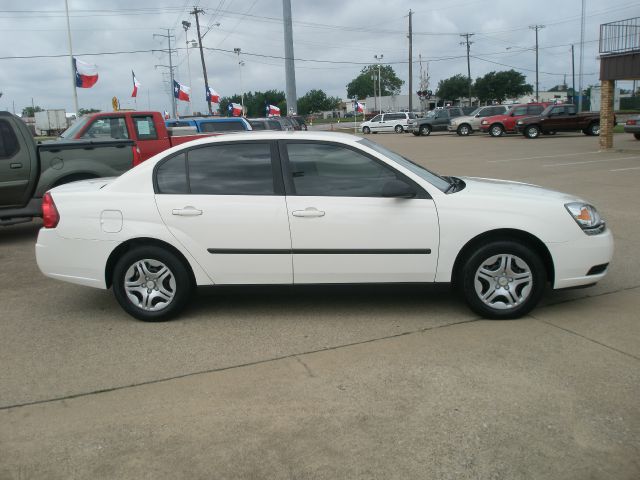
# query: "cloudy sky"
[[333, 40]]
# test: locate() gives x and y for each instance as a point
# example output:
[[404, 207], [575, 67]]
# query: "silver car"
[[467, 124]]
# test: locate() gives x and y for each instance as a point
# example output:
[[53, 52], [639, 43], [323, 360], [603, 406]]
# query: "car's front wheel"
[[637, 135], [424, 130], [503, 279], [366, 130], [151, 284], [464, 130], [532, 131], [496, 130]]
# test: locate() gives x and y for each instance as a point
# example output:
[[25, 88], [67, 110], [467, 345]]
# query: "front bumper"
[[632, 128], [574, 261]]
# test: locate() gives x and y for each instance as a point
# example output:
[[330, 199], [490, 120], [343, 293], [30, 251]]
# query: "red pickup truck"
[[146, 129], [500, 124]]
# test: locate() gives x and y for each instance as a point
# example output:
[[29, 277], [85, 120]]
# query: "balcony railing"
[[622, 36]]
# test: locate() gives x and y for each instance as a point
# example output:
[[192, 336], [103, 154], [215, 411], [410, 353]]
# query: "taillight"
[[631, 122], [137, 156], [50, 215]]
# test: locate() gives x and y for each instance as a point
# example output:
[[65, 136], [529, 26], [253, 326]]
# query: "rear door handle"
[[188, 211], [15, 165], [308, 212]]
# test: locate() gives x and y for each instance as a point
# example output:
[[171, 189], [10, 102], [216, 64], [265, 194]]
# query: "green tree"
[[453, 88], [31, 111], [501, 85], [87, 111], [255, 102], [316, 101], [362, 85]]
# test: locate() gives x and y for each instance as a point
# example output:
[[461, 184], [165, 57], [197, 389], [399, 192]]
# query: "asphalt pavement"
[[338, 382]]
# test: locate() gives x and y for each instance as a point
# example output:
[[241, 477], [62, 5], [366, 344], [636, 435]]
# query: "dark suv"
[[436, 120]]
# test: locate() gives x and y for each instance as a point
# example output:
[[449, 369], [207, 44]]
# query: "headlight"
[[520, 122], [484, 122], [587, 217], [453, 122]]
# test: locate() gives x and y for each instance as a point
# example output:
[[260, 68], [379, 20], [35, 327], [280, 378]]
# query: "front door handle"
[[15, 165], [188, 211], [308, 212]]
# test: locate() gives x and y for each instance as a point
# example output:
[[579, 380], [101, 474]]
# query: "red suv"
[[499, 124]]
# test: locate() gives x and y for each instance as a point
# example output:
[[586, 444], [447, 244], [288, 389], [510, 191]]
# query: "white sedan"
[[313, 208]]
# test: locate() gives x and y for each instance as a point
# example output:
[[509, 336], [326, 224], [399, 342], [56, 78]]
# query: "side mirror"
[[512, 114], [397, 189]]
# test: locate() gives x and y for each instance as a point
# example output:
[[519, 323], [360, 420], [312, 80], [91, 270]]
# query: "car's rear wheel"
[[398, 129], [637, 135], [366, 130], [503, 279], [532, 131], [424, 130], [593, 129], [464, 130], [151, 284], [496, 130]]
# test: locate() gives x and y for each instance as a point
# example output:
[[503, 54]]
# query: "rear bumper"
[[574, 261], [73, 260], [632, 128]]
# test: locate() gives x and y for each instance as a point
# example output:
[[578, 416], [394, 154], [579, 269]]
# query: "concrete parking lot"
[[340, 382]]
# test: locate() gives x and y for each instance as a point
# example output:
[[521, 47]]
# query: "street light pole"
[[379, 59], [240, 65]]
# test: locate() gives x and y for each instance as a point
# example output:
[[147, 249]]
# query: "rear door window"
[[231, 126], [145, 128]]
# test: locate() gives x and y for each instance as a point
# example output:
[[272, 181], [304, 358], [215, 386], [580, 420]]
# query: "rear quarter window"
[[231, 126], [9, 145]]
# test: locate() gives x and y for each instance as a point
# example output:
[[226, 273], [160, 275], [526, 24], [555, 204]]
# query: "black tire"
[[425, 130], [416, 133], [178, 282], [366, 130], [524, 296], [593, 129], [532, 131], [464, 130], [637, 135], [398, 129], [496, 130]]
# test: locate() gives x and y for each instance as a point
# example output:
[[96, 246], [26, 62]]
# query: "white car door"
[[228, 211], [343, 229], [376, 123]]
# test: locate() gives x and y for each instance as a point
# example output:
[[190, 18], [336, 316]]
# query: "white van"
[[387, 122]]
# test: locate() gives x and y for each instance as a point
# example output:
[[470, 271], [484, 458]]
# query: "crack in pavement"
[[326, 349]]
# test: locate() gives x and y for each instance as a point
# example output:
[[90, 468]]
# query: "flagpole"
[[73, 70]]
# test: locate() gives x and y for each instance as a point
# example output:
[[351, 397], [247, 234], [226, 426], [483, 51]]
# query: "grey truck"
[[28, 169]]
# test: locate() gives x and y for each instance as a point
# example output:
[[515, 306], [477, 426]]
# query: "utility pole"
[[237, 51], [289, 66], [379, 59], [195, 12], [536, 28], [73, 69], [468, 43], [410, 63], [573, 76], [168, 36], [186, 26], [581, 57]]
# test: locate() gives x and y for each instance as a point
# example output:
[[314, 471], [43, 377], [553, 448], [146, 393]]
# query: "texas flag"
[[213, 96], [86, 74], [359, 107], [235, 109], [181, 92], [136, 84], [273, 111]]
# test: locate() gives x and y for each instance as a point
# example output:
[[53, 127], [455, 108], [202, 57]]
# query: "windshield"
[[75, 128], [475, 112], [434, 179], [431, 113]]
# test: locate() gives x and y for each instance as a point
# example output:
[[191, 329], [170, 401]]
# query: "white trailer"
[[51, 122]]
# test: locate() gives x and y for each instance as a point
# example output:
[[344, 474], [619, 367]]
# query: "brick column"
[[606, 114]]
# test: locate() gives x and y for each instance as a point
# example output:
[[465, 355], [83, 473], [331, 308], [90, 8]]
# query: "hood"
[[489, 187]]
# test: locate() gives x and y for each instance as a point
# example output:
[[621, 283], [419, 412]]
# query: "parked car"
[[388, 122], [467, 124], [506, 123], [28, 170], [299, 119], [313, 208], [559, 118], [264, 124], [435, 120], [633, 126], [284, 122], [147, 129]]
